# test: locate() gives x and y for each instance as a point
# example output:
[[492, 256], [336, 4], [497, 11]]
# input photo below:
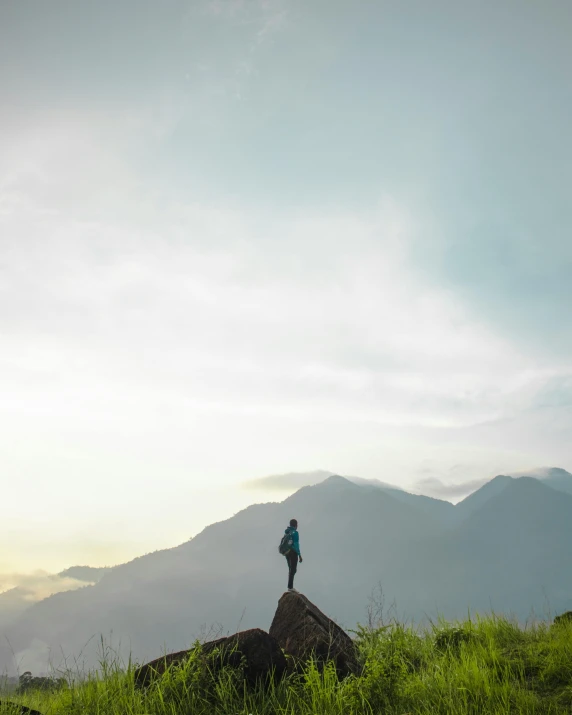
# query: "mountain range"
[[506, 548]]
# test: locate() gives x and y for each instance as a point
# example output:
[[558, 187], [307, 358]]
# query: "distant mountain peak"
[[554, 477], [544, 473], [478, 499], [499, 479], [336, 478], [337, 481], [376, 483], [288, 482], [558, 472]]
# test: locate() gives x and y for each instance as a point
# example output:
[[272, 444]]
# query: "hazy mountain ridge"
[[444, 509], [502, 545], [478, 499], [513, 552], [38, 586], [555, 477], [89, 574]]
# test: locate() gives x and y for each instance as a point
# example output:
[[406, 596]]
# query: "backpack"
[[285, 544]]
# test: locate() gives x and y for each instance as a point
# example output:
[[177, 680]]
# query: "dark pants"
[[292, 559]]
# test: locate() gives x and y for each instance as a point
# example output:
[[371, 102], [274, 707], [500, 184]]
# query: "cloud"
[[286, 482], [330, 329], [373, 482], [432, 486], [449, 481], [541, 472], [18, 591], [37, 585], [164, 319]]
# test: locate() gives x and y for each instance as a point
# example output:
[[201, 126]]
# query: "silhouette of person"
[[294, 555]]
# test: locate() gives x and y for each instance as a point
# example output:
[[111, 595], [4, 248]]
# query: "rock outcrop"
[[299, 630], [563, 618], [304, 632], [261, 653]]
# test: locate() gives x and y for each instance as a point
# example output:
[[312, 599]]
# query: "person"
[[294, 554]]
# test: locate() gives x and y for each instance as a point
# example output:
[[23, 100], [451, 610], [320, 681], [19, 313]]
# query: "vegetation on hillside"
[[487, 665]]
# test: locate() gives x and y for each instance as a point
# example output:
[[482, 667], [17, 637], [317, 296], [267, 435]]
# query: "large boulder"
[[304, 632], [563, 618], [261, 653]]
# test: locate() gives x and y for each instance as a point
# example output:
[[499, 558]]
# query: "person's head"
[[293, 523]]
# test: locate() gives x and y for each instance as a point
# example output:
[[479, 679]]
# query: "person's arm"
[[296, 544]]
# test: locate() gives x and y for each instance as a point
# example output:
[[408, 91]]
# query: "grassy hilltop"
[[488, 665]]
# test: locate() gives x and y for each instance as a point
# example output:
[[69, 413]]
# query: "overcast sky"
[[249, 237]]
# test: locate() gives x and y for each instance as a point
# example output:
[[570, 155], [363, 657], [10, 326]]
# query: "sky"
[[244, 238]]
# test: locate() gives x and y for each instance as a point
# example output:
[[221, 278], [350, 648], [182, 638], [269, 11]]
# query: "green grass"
[[487, 665]]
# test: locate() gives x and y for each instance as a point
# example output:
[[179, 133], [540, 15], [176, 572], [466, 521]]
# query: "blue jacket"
[[295, 538]]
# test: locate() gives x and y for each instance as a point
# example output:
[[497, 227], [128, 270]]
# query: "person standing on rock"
[[291, 540]]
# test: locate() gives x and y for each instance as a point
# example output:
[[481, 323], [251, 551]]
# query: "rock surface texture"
[[261, 653], [303, 631]]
